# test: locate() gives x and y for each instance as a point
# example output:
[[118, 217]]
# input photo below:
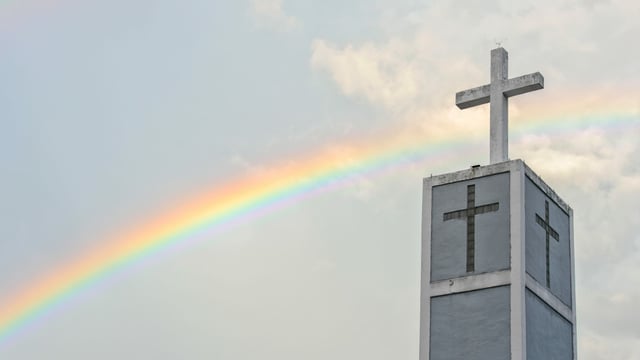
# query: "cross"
[[549, 232], [497, 94], [469, 214]]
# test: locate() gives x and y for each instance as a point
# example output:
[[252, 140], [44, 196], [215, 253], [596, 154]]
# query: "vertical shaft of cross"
[[547, 233], [471, 229], [498, 107]]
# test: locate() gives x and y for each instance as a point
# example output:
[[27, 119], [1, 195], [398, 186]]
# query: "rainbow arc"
[[241, 198]]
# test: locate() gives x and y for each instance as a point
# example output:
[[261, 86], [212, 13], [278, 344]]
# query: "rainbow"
[[242, 198]]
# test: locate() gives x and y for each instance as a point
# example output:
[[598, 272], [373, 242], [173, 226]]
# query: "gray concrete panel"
[[549, 335], [559, 268], [491, 235], [472, 325]]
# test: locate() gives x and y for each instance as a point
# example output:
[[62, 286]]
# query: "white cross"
[[496, 94]]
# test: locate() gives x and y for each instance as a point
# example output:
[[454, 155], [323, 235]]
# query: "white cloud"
[[435, 51], [432, 50], [395, 74], [596, 346], [270, 13], [381, 74]]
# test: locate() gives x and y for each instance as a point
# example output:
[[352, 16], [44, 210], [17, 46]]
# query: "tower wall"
[[497, 267]]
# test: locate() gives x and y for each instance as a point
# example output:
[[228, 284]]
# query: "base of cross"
[[497, 267]]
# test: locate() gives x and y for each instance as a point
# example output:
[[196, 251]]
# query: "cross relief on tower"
[[547, 262], [470, 227], [469, 214], [549, 231]]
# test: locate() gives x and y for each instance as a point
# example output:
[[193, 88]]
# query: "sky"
[[116, 113]]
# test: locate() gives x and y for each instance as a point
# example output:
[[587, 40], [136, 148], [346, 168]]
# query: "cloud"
[[270, 14], [415, 73], [382, 75], [596, 346], [395, 74], [428, 51]]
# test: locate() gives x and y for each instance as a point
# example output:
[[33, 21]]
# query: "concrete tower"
[[497, 251]]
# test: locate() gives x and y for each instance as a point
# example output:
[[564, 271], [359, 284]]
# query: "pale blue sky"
[[115, 111]]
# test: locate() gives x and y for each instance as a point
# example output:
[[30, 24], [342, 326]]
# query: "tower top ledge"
[[502, 167]]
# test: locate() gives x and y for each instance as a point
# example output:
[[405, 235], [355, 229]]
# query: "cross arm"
[[472, 97], [523, 84], [547, 228]]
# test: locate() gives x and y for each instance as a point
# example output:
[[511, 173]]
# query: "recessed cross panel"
[[548, 252], [470, 227], [469, 215]]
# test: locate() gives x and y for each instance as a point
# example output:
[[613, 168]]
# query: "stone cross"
[[496, 93], [469, 214], [549, 232]]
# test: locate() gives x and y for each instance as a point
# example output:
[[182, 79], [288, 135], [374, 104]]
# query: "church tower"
[[497, 250]]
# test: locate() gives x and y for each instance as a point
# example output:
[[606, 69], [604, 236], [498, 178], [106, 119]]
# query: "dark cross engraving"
[[469, 214], [549, 231]]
